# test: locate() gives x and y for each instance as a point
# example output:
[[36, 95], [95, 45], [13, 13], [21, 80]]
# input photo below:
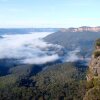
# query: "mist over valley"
[[44, 58]]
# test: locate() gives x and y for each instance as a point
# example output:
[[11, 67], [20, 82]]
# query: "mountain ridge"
[[81, 29]]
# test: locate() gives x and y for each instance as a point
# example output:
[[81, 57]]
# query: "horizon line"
[[45, 27]]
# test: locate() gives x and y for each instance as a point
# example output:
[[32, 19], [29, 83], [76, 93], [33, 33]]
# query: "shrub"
[[96, 82], [98, 42], [89, 85], [96, 54], [93, 94]]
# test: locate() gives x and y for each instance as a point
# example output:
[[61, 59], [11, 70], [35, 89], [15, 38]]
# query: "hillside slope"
[[72, 40]]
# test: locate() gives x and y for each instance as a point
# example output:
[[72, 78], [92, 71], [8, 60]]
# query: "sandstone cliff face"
[[94, 66], [93, 75], [81, 29]]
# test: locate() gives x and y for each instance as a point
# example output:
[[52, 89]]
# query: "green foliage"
[[89, 85], [7, 81], [93, 94], [14, 74], [57, 82], [93, 90], [96, 82], [93, 83], [98, 42], [96, 54]]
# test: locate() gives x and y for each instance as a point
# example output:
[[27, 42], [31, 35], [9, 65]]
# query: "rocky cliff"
[[93, 75], [82, 29], [94, 66]]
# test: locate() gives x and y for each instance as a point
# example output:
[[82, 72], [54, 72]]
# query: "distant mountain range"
[[81, 29], [26, 30]]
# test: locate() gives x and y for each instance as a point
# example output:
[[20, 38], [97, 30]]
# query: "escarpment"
[[93, 75], [94, 66]]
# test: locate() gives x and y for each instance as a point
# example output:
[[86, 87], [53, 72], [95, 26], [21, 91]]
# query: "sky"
[[49, 13]]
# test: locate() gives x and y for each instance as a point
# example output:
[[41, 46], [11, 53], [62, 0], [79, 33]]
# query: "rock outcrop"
[[94, 66], [93, 75], [82, 29]]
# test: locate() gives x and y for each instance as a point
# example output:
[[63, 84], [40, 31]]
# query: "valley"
[[52, 66]]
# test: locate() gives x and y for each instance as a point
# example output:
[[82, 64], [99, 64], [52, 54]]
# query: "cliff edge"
[[93, 75], [94, 66]]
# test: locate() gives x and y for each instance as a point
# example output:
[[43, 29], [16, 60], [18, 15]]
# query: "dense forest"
[[60, 81]]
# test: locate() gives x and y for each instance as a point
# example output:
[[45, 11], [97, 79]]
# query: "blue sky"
[[49, 13]]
